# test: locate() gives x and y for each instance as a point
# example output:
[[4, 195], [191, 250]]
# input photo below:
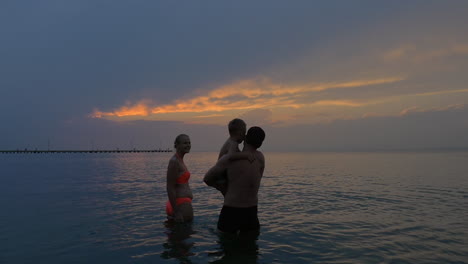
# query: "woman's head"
[[182, 143]]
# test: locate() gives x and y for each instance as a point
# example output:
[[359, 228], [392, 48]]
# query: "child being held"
[[237, 129]]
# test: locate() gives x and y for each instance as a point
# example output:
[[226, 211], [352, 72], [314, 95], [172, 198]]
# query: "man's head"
[[237, 128], [255, 137]]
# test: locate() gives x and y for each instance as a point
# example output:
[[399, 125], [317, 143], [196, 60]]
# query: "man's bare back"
[[244, 181], [239, 212]]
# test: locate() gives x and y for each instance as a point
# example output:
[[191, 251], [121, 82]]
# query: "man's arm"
[[235, 154]]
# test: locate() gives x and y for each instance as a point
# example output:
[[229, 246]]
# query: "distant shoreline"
[[428, 150], [82, 151]]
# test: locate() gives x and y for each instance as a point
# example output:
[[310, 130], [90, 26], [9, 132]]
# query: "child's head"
[[237, 129]]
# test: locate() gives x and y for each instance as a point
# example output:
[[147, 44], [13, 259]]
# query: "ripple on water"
[[314, 208]]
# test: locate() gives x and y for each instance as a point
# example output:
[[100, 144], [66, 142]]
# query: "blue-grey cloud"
[[61, 59], [415, 130]]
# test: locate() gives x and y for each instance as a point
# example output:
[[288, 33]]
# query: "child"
[[237, 129]]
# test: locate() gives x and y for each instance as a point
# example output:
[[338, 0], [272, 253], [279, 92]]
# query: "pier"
[[26, 151]]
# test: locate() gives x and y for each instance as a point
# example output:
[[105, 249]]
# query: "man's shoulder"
[[245, 163], [260, 155]]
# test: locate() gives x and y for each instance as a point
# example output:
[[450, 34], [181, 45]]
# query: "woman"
[[179, 206]]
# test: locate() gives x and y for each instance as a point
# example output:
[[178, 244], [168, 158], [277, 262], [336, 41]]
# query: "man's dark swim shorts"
[[234, 219]]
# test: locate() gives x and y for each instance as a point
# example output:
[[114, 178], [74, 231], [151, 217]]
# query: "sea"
[[314, 207]]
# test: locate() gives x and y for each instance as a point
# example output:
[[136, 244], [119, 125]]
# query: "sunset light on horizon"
[[240, 97], [187, 131], [379, 75]]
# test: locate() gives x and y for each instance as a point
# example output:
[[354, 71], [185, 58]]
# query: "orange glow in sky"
[[246, 95]]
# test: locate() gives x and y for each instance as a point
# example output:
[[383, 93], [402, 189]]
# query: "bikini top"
[[184, 178]]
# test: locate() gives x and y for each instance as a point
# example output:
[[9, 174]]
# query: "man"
[[239, 212]]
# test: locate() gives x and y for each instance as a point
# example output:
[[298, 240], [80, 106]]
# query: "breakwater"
[[81, 151]]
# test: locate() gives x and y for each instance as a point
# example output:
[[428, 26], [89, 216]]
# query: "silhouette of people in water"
[[178, 244], [232, 248], [238, 222], [237, 249], [239, 212]]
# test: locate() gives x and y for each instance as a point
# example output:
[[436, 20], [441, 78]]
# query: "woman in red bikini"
[[179, 206]]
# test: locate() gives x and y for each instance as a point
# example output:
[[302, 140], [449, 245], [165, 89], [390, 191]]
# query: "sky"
[[332, 75]]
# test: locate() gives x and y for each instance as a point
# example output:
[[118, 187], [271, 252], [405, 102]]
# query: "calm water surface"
[[314, 208]]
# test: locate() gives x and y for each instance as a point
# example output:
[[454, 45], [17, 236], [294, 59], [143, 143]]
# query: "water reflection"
[[237, 249], [178, 244]]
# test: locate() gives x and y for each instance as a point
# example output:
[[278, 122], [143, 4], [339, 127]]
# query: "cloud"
[[398, 53], [257, 117], [415, 109], [442, 92], [245, 95], [417, 129], [139, 109], [420, 54], [340, 103]]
